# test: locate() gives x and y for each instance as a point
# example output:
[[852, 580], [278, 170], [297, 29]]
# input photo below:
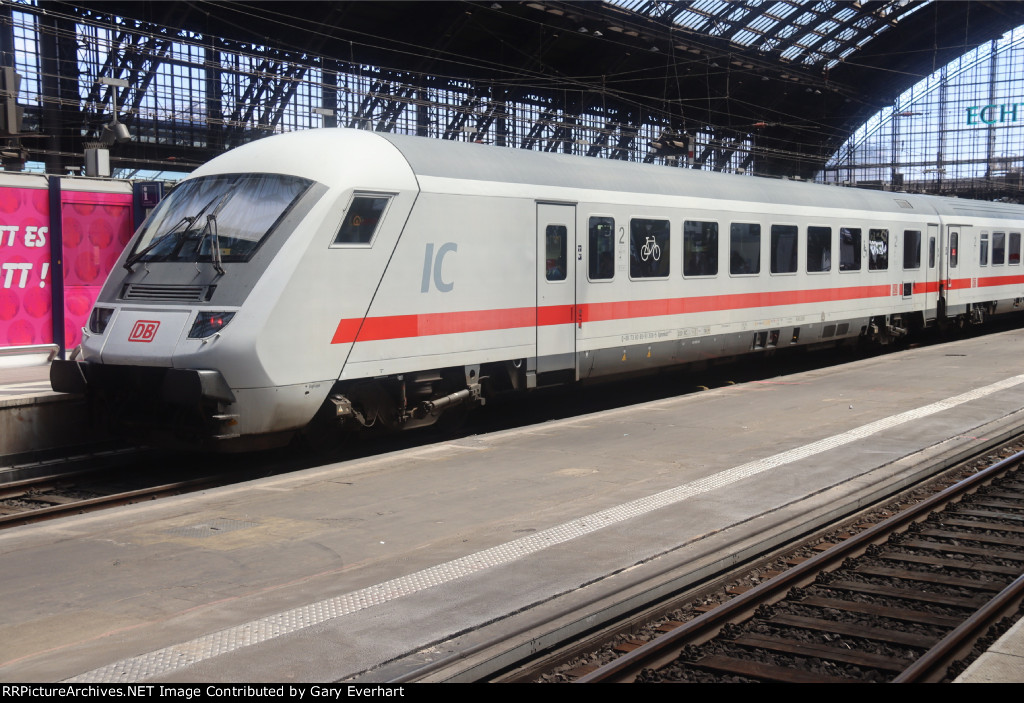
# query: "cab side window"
[[361, 219]]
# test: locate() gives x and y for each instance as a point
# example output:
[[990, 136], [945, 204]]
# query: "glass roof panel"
[[763, 23], [782, 10], [713, 7], [792, 52], [810, 40], [691, 20], [846, 35], [745, 37], [844, 14], [829, 47], [740, 12], [786, 32], [794, 27], [805, 18]]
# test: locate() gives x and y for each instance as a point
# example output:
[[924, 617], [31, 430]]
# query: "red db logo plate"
[[144, 331]]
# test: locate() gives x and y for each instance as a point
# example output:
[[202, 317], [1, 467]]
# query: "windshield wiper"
[[211, 229], [176, 230]]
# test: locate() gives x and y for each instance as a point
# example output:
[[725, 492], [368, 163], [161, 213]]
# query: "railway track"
[[903, 600], [69, 485], [80, 489], [35, 500]]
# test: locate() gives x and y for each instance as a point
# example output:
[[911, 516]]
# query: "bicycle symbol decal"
[[650, 249]]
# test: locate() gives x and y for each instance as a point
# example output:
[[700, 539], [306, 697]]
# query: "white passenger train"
[[358, 278]]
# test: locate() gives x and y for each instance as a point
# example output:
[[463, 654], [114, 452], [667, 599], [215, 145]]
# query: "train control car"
[[345, 278]]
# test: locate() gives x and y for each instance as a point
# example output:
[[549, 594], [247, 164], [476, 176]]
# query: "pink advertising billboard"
[[25, 299], [96, 228], [95, 225]]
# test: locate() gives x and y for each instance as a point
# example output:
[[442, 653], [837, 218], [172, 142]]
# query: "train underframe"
[[403, 401]]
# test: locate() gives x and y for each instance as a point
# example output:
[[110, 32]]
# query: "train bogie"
[[354, 279]]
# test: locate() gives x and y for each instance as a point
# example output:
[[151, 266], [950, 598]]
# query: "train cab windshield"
[[241, 210]]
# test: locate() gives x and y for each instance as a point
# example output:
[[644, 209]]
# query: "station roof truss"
[[766, 86]]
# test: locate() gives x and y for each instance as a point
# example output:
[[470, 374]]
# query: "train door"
[[950, 265], [556, 287], [932, 253]]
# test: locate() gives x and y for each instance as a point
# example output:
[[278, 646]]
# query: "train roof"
[[466, 160], [372, 160]]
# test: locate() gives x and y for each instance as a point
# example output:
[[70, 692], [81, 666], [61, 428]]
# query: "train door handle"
[[579, 317]]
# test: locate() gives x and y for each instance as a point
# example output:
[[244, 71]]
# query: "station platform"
[[34, 419], [450, 558], [25, 381]]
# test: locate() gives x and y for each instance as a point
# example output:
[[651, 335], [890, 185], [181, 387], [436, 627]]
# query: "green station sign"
[[994, 114]]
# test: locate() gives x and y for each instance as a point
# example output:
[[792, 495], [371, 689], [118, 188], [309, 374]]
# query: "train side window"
[[361, 220], [911, 249], [555, 242], [819, 249], [954, 249], [784, 248], [744, 249], [649, 248], [998, 248], [983, 250], [931, 252], [849, 249], [700, 248], [601, 254], [878, 249], [1014, 249]]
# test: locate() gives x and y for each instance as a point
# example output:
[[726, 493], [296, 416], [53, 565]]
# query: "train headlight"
[[208, 323], [99, 318]]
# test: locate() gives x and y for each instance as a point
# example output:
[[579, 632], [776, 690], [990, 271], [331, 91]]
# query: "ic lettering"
[[432, 267]]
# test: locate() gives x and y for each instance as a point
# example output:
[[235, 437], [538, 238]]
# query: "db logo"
[[143, 331]]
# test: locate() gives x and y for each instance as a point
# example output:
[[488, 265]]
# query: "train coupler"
[[466, 395]]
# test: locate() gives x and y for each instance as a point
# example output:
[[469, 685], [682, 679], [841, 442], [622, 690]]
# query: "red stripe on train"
[[409, 326], [596, 312], [403, 326]]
